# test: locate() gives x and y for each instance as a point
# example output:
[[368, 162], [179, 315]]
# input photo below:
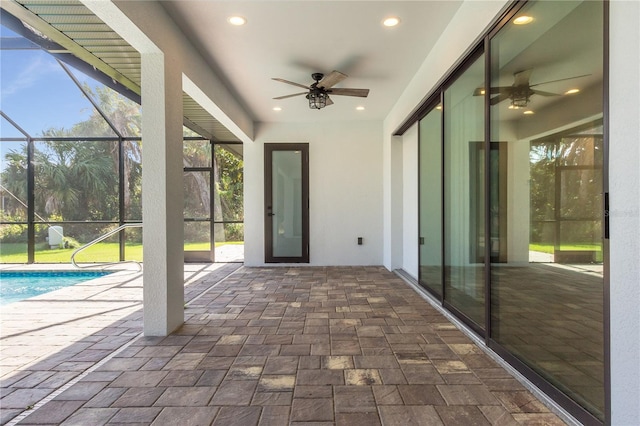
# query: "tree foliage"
[[566, 186], [76, 176]]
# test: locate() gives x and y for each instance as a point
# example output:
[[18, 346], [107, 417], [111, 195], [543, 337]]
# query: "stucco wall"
[[345, 189], [624, 190], [410, 202]]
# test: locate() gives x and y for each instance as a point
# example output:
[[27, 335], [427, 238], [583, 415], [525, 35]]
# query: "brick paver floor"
[[293, 346]]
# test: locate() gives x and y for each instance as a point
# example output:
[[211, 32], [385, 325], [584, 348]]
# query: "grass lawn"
[[101, 252], [548, 248]]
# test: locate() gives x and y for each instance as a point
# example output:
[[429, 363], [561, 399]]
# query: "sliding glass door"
[[430, 170], [547, 110], [464, 241], [512, 177]]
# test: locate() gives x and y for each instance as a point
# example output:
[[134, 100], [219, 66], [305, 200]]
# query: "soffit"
[[291, 39], [73, 26]]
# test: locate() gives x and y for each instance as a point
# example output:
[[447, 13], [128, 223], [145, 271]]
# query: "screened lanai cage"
[[71, 164]]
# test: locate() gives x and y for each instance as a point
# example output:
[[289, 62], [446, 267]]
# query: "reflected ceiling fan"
[[520, 91], [318, 92]]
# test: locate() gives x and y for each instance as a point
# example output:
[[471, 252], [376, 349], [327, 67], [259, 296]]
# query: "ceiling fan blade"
[[522, 78], [562, 79], [329, 101], [494, 90], [291, 96], [541, 93], [281, 80], [501, 97], [361, 93], [332, 79]]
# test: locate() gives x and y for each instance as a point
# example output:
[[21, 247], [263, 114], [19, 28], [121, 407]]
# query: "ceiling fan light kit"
[[520, 97], [318, 92], [317, 99]]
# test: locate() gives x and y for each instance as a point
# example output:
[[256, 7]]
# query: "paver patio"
[[281, 346]]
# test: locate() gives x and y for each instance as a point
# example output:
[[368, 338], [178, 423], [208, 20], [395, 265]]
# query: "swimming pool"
[[19, 285]]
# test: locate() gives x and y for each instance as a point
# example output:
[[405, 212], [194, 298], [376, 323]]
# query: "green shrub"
[[69, 243], [234, 231], [13, 233]]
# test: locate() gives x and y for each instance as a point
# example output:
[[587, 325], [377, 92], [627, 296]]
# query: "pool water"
[[20, 285]]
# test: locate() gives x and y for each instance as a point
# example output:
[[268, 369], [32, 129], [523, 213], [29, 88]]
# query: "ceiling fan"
[[318, 92], [520, 91]]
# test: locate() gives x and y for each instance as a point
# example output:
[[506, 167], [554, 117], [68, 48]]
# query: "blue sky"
[[37, 93]]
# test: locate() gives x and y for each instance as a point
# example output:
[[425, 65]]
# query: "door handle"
[[271, 214]]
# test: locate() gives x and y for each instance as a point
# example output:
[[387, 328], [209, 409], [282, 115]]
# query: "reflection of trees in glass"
[[566, 186], [542, 191]]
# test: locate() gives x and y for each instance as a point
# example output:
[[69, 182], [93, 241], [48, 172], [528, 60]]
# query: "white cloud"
[[39, 69]]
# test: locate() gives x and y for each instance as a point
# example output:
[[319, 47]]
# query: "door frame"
[[201, 256], [269, 148], [209, 256]]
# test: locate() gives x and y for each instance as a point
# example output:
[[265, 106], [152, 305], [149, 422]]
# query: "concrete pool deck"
[[260, 346]]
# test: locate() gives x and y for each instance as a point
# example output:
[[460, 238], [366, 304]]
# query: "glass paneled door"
[[430, 171], [287, 203], [213, 201], [197, 158], [548, 294], [464, 207]]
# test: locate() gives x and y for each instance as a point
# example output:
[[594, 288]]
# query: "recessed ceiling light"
[[360, 108], [528, 112], [572, 91], [523, 20], [482, 91], [237, 20], [277, 109], [391, 21]]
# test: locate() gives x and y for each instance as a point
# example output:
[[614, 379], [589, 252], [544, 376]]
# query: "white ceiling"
[[292, 39]]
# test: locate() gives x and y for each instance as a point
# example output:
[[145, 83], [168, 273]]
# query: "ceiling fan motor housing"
[[520, 96]]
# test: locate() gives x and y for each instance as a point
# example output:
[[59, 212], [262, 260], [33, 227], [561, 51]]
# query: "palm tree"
[[125, 116], [75, 180]]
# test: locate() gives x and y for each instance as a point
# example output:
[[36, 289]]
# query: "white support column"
[[162, 195], [162, 189]]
